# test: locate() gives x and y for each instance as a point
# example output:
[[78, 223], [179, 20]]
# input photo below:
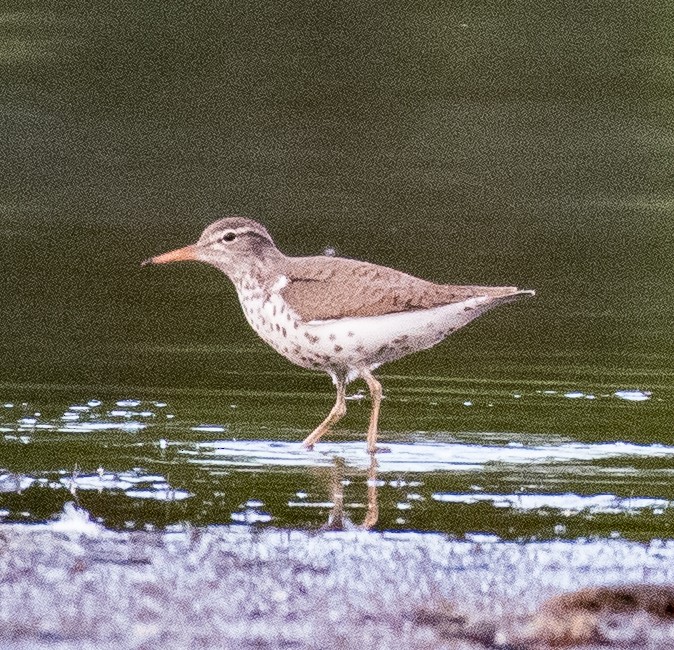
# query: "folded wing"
[[325, 288]]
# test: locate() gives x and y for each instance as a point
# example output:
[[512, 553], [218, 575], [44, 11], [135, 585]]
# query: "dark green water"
[[488, 143]]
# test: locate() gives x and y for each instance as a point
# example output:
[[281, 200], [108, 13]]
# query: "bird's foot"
[[379, 450]]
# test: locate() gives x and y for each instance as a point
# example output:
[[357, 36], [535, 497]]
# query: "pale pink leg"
[[372, 505], [337, 413], [375, 392]]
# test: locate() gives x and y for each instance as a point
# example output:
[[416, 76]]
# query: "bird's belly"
[[373, 340], [345, 345]]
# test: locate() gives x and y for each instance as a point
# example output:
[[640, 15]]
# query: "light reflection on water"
[[147, 462], [417, 457]]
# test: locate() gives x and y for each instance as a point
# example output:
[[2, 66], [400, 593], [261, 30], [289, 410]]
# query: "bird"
[[337, 315]]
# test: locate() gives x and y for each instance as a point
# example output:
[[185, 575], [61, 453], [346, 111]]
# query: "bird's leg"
[[375, 392], [337, 413], [372, 506]]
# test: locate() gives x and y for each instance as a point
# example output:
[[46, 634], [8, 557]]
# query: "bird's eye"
[[230, 236]]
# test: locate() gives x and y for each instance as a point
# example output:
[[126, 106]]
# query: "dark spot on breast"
[[311, 338], [283, 307], [283, 330], [349, 334], [332, 337], [338, 348], [273, 313], [288, 316], [360, 348], [285, 348], [467, 309], [278, 327], [295, 324]]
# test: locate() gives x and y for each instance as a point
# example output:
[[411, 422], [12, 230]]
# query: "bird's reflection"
[[338, 520]]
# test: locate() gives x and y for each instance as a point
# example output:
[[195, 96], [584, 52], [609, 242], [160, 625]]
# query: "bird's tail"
[[504, 295]]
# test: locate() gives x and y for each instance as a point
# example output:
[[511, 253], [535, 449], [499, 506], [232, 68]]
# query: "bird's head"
[[233, 245]]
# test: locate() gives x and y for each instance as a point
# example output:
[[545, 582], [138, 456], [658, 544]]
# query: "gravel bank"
[[74, 585]]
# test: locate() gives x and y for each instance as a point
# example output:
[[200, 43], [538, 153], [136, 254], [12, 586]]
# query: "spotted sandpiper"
[[341, 316]]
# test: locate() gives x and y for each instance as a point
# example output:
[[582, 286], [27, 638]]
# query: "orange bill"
[[178, 255]]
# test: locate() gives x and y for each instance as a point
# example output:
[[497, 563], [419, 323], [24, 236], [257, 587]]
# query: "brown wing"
[[322, 288]]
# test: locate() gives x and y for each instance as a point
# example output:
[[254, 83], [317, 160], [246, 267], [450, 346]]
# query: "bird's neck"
[[262, 269]]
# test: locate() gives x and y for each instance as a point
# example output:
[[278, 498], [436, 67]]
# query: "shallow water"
[[236, 458]]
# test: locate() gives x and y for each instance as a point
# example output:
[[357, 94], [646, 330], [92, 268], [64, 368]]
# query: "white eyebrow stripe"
[[243, 229], [237, 231]]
